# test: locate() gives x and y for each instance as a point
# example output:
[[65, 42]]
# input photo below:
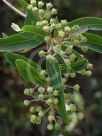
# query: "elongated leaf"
[[94, 42], [88, 23], [12, 57], [36, 30], [29, 72], [28, 20], [55, 76], [22, 41]]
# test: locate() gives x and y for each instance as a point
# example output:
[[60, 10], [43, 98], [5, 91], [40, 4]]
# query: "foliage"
[[62, 41]]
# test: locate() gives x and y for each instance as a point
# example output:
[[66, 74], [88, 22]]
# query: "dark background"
[[13, 115]]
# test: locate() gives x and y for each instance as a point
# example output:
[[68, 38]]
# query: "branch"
[[13, 8]]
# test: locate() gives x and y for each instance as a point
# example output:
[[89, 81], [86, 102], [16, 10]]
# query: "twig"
[[13, 8]]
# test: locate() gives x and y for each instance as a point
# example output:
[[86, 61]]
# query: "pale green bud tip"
[[15, 27], [33, 118], [29, 7], [42, 53], [33, 2], [72, 75], [56, 93], [49, 101], [44, 22], [50, 127], [67, 29], [43, 72], [76, 87], [41, 90], [89, 66], [88, 73], [50, 89], [40, 4], [64, 22], [57, 126], [41, 97], [47, 39], [39, 24], [32, 109], [75, 28], [35, 9], [50, 58], [26, 102], [49, 5], [61, 34], [28, 91], [55, 101], [51, 118], [53, 11], [41, 114]]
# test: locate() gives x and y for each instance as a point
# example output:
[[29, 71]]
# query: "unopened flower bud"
[[75, 28], [53, 11], [64, 22], [39, 108], [35, 9], [49, 101], [41, 97], [57, 126], [41, 114], [49, 5], [50, 89], [76, 87], [61, 34], [56, 93], [50, 58], [72, 75], [32, 109], [51, 118], [42, 53], [50, 127], [47, 39], [89, 66], [29, 7], [41, 90], [40, 4], [33, 119], [55, 101], [26, 103], [67, 29], [39, 24], [88, 73]]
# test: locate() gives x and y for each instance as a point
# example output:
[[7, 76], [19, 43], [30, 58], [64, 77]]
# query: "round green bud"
[[76, 87], [39, 24], [76, 42], [50, 127], [39, 108], [61, 34], [46, 28], [88, 73], [26, 103], [56, 93], [48, 15], [58, 26], [32, 109], [38, 121], [50, 89], [64, 80], [51, 118], [53, 11], [84, 39], [69, 50], [41, 114], [72, 57], [41, 90], [42, 53], [30, 7], [67, 29], [49, 5], [43, 73], [89, 66], [57, 126], [47, 39], [55, 101], [33, 2], [35, 9], [50, 58], [72, 75], [64, 22], [41, 97], [47, 79], [49, 102], [33, 119], [28, 91], [53, 20], [40, 4], [45, 22], [41, 12], [75, 28]]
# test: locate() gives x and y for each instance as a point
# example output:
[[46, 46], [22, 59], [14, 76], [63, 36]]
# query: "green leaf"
[[28, 20], [29, 72], [55, 77], [35, 30], [79, 65], [23, 4], [88, 23], [21, 41], [12, 57], [94, 42]]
